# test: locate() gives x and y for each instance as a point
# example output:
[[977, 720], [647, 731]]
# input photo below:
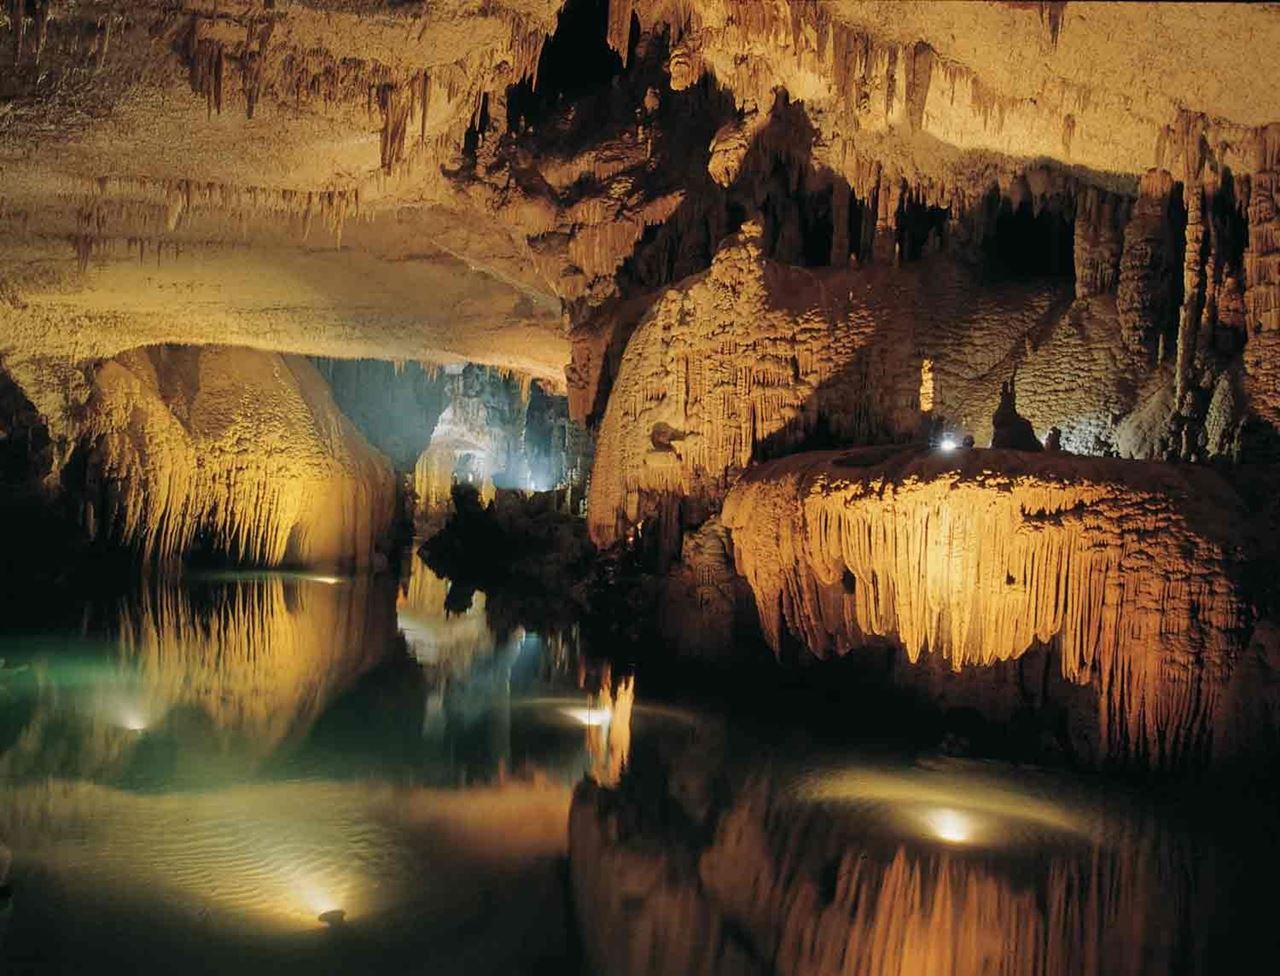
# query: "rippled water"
[[193, 775]]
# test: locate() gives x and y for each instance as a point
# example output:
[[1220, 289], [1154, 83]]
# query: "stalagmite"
[[1129, 570], [241, 452]]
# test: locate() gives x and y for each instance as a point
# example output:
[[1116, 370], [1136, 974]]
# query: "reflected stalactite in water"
[[434, 635], [901, 885], [819, 899], [607, 723], [264, 657], [234, 666]]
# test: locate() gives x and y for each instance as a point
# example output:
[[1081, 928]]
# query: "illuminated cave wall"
[[886, 285], [755, 358], [237, 453], [497, 431], [1132, 572], [441, 425]]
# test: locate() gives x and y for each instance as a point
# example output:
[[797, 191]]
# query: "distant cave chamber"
[[235, 456]]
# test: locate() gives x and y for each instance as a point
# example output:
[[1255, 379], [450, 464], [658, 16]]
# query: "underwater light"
[[951, 826], [588, 716], [133, 722], [948, 443]]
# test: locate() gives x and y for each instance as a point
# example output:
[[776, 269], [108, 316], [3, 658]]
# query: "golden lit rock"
[[1130, 571], [242, 452]]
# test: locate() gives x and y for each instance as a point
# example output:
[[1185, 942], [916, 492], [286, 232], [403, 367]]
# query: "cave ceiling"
[[453, 180]]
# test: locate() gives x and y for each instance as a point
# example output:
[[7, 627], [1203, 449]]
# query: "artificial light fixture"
[[951, 826], [588, 716], [948, 443]]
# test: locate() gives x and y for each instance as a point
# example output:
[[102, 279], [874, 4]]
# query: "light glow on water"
[[592, 717], [949, 825], [318, 900], [955, 805]]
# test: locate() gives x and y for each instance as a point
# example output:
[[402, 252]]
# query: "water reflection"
[[230, 757], [193, 786], [197, 676], [873, 866]]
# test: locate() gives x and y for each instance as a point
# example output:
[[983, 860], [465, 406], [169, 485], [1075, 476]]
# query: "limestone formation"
[[1262, 280], [730, 230], [1131, 571], [239, 453], [754, 358], [1009, 429]]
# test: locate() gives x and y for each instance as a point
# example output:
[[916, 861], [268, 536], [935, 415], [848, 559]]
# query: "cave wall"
[[497, 431], [1133, 572], [239, 454], [756, 358]]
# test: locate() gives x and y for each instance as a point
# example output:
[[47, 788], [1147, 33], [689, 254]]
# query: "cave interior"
[[770, 380]]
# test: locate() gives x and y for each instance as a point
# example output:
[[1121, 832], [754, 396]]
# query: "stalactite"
[[619, 29], [140, 207], [206, 58], [1099, 235], [18, 25], [1262, 277], [275, 62], [1143, 293], [395, 104], [1052, 13], [289, 481], [1128, 569], [253, 62]]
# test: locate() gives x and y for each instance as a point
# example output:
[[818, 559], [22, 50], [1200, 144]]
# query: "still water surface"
[[194, 774]]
